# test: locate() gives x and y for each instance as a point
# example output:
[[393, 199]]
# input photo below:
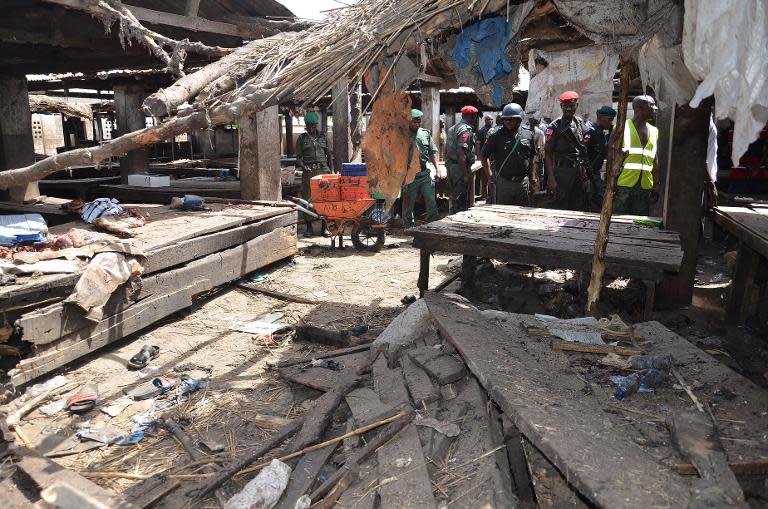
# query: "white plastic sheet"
[[664, 70], [725, 44], [588, 71]]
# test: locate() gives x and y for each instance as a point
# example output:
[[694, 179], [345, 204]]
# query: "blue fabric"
[[490, 38]]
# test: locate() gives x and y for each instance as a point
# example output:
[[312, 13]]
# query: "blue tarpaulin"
[[489, 37]]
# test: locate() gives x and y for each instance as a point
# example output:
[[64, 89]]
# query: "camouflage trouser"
[[311, 170], [422, 185], [459, 196]]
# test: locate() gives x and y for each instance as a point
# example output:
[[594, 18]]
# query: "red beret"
[[469, 110], [569, 97]]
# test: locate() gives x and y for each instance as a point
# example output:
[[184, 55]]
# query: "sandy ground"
[[352, 287]]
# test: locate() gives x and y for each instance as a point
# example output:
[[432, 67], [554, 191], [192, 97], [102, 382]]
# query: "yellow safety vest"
[[639, 161]]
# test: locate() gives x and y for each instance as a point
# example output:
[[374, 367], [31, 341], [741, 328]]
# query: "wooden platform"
[[550, 238], [750, 226], [125, 193], [615, 453], [187, 253]]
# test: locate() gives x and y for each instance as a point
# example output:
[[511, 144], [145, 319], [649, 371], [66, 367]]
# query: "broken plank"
[[410, 486], [550, 409], [323, 379], [518, 464], [361, 494], [275, 294], [45, 472], [304, 474], [364, 404], [388, 383], [695, 436], [443, 368], [756, 467], [148, 492], [420, 387], [589, 348]]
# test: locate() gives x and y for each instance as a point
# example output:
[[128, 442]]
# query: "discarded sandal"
[[146, 354], [84, 400], [151, 389]]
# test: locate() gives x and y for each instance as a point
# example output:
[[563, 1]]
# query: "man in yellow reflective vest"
[[638, 183]]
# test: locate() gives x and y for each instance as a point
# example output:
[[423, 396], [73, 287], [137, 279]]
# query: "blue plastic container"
[[353, 170]]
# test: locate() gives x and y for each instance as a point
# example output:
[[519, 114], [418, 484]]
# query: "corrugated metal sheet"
[[218, 9]]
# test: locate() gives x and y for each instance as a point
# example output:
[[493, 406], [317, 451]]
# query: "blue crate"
[[354, 170]]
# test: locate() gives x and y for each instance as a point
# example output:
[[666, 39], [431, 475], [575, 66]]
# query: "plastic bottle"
[[647, 378]]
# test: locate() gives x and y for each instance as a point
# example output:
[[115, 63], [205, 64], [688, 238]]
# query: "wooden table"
[[552, 238], [750, 226]]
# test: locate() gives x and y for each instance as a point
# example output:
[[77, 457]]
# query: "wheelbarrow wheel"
[[366, 238]]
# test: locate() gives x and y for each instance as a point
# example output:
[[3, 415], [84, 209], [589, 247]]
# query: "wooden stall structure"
[[547, 237]]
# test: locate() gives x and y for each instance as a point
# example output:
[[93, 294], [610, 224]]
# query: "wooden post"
[[192, 7], [430, 105], [259, 156], [341, 139], [356, 122], [323, 127], [615, 160], [684, 190], [664, 122], [450, 116], [17, 148], [289, 147], [130, 117]]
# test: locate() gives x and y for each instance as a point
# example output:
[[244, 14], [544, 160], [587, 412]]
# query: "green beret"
[[311, 118], [416, 113], [606, 111]]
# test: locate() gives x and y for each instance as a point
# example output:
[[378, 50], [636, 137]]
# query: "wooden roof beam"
[[192, 7], [192, 23]]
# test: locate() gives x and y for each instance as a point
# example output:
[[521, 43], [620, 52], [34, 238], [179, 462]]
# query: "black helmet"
[[512, 110]]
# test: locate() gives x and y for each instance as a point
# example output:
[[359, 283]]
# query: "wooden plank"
[[361, 493], [588, 348], [205, 274], [411, 486], [518, 464], [420, 387], [45, 472], [53, 322], [324, 379], [303, 476], [319, 355], [550, 409], [443, 368], [749, 225], [696, 437], [13, 498], [388, 383]]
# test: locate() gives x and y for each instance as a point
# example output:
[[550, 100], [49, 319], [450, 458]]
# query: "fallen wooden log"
[[313, 334], [589, 348], [319, 355], [275, 294]]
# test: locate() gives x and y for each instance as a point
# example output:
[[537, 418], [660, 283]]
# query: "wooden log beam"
[[259, 155], [615, 160]]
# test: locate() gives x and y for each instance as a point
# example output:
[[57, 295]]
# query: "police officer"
[[459, 155], [638, 182], [421, 140], [596, 139], [565, 156], [314, 157], [512, 149]]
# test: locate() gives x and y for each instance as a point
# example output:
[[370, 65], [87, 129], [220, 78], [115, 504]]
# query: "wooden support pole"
[[289, 146], [684, 190], [341, 139], [356, 120], [16, 145], [130, 118], [192, 7], [259, 156], [615, 159], [430, 106]]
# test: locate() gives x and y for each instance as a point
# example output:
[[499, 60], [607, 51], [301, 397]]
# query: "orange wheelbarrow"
[[344, 201]]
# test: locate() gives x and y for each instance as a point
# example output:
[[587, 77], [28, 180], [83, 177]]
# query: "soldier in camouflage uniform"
[[459, 156], [314, 157]]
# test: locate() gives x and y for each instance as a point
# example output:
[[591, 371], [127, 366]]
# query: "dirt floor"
[[352, 288]]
